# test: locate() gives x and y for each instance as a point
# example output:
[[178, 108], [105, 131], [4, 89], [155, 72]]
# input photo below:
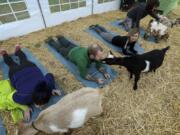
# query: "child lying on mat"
[[126, 43], [81, 57], [139, 12], [26, 85]]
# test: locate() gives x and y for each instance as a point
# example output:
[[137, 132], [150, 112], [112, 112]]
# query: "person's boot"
[[63, 41], [101, 28]]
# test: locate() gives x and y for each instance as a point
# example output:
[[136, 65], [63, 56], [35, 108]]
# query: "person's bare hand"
[[27, 114], [107, 76], [56, 92], [100, 81]]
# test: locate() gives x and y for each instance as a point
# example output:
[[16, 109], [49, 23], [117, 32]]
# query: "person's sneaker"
[[92, 26], [3, 52], [17, 48]]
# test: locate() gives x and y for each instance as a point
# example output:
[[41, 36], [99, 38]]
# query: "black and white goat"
[[146, 62]]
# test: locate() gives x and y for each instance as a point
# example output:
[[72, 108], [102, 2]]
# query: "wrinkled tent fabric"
[[168, 5]]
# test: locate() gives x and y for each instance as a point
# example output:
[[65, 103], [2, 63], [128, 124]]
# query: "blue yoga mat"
[[92, 70], [2, 128], [142, 32], [32, 58], [138, 48]]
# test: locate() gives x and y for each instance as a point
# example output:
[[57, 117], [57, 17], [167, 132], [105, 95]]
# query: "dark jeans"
[[63, 46], [13, 66]]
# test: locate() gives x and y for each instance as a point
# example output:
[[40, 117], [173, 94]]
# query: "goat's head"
[[111, 59]]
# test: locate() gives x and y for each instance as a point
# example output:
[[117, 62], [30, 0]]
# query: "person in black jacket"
[[126, 43], [137, 13]]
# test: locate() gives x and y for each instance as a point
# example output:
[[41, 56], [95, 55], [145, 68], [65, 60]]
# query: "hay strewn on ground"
[[152, 110]]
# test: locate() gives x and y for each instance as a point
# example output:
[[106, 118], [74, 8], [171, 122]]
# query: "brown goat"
[[70, 112]]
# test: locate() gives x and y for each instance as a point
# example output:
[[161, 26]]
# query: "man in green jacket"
[[81, 57]]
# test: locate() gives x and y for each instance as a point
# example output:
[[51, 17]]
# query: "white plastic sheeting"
[[52, 19], [35, 22], [105, 7], [19, 28]]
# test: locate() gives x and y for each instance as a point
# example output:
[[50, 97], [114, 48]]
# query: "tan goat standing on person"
[[70, 112]]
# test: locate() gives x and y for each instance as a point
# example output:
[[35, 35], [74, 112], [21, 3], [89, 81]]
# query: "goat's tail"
[[165, 49]]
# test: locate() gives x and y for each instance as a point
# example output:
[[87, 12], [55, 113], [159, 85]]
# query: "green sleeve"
[[82, 69]]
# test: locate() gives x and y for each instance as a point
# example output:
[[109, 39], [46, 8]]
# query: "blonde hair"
[[93, 49], [133, 31]]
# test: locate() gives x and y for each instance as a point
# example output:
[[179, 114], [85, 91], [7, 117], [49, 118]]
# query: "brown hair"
[[93, 49], [150, 4], [133, 31]]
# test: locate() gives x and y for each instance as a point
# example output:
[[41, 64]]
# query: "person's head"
[[152, 4], [95, 52], [41, 94], [133, 34]]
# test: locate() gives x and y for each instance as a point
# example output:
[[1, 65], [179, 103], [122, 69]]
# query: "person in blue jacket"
[[32, 87]]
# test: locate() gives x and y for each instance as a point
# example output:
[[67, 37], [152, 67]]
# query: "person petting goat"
[[140, 11], [71, 112], [26, 86], [126, 43], [146, 62]]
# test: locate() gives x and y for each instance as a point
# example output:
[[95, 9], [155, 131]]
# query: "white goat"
[[70, 112], [160, 29], [157, 30]]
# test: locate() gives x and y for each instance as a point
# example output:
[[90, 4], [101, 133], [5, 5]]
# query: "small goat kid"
[[70, 112], [146, 62], [157, 30], [160, 29]]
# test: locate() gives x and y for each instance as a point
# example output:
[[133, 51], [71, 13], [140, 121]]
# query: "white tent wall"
[[44, 13], [59, 17], [21, 27], [106, 6]]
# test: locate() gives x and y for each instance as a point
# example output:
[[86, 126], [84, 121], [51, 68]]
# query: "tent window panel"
[[100, 1], [55, 9], [7, 18], [104, 1], [64, 1], [3, 1], [65, 7], [22, 15], [4, 9], [73, 0], [18, 6], [53, 2], [82, 4], [15, 0], [74, 5]]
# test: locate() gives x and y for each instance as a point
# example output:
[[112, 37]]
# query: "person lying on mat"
[[31, 86], [126, 43], [137, 13], [81, 57]]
